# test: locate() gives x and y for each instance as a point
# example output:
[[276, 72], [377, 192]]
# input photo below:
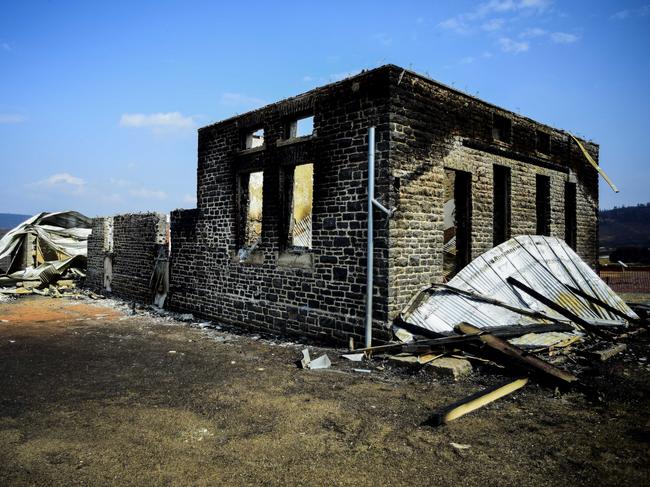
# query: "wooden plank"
[[518, 355], [556, 307], [602, 304], [594, 164], [476, 401], [504, 332]]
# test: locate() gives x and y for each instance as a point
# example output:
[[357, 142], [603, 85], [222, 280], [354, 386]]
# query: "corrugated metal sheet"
[[545, 264], [302, 233], [550, 339], [61, 243]]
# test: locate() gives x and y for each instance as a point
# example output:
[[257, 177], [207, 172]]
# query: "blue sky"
[[100, 101]]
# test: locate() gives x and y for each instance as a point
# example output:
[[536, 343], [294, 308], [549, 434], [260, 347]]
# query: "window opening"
[[253, 139], [501, 198], [300, 201], [543, 204], [457, 239], [570, 216], [501, 128]]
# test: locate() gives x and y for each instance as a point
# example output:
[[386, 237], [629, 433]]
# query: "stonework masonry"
[[125, 247], [422, 128]]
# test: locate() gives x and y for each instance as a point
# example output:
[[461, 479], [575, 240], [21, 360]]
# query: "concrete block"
[[450, 367]]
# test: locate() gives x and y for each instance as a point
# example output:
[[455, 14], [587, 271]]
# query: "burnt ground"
[[92, 395]]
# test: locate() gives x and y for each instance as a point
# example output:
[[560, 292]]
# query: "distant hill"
[[11, 220], [625, 226]]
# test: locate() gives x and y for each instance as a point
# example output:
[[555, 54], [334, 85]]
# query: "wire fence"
[[627, 281]]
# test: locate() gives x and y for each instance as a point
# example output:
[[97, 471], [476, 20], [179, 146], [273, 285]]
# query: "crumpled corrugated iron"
[[546, 264], [61, 244]]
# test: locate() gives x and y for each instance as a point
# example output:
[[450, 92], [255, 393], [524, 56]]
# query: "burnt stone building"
[[278, 238]]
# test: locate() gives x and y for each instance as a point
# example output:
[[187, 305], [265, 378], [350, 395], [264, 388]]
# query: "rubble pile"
[[530, 309]]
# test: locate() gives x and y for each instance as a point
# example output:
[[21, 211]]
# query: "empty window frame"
[[301, 127], [299, 195], [252, 139], [543, 142], [570, 214], [501, 128], [543, 204], [501, 198], [251, 197], [108, 234], [457, 238]]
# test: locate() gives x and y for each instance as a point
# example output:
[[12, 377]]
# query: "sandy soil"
[[91, 395]]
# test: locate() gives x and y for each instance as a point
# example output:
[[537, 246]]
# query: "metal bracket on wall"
[[388, 212]]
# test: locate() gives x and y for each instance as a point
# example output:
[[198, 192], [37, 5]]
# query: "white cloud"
[[502, 15], [455, 24], [148, 194], [239, 99], [563, 38], [467, 60], [60, 182], [515, 47], [383, 39], [170, 120], [556, 37], [121, 183], [344, 74], [135, 189], [535, 4], [533, 32], [493, 24], [331, 77], [62, 178], [627, 13], [466, 22], [621, 15], [12, 118]]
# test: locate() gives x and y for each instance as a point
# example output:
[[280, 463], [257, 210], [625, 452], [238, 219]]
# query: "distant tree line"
[[638, 213]]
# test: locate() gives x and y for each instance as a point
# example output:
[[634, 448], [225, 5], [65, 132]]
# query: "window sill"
[[242, 256], [296, 259], [294, 140], [501, 143], [254, 150]]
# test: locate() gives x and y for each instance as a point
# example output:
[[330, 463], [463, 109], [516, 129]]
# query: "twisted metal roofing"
[[546, 264]]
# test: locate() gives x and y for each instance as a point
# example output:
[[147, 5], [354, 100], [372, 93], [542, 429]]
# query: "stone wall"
[[97, 251], [5, 262], [319, 293], [133, 248], [434, 127]]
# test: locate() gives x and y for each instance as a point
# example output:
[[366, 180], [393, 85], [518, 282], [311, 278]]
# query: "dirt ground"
[[94, 395]]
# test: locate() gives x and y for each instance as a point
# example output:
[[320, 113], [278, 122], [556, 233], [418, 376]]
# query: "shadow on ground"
[[89, 396]]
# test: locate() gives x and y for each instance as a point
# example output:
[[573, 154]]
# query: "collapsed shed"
[[44, 248]]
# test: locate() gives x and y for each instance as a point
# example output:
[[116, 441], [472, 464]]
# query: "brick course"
[[136, 240]]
